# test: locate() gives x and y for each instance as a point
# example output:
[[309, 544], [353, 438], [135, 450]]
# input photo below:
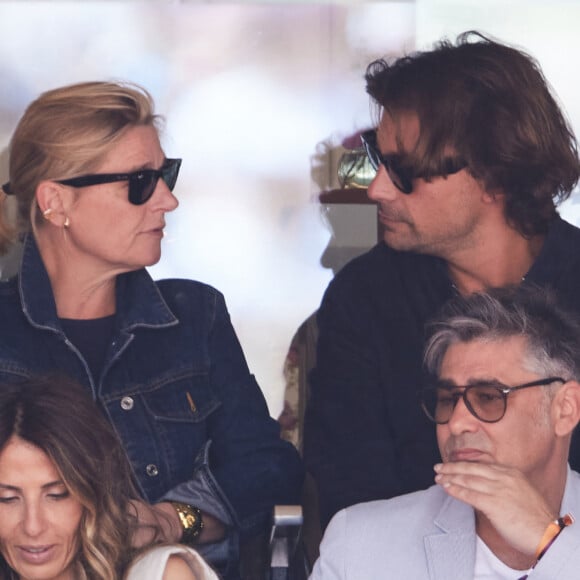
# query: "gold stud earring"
[[46, 212], [66, 222]]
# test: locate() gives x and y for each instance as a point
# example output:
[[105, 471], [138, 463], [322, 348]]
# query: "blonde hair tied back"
[[66, 132]]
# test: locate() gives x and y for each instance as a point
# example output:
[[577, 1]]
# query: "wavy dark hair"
[[491, 103], [57, 416]]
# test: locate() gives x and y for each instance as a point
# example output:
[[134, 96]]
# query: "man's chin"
[[398, 242]]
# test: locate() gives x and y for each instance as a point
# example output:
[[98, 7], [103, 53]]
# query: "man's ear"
[[566, 408], [52, 200], [494, 196]]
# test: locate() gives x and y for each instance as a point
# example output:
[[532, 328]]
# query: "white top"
[[489, 567], [151, 564]]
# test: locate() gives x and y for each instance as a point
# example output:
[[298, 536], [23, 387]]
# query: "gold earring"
[[66, 222], [46, 212]]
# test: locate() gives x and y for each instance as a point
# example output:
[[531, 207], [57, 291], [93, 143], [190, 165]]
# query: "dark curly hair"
[[492, 104]]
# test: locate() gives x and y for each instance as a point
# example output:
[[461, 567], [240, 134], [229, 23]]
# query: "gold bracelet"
[[190, 519]]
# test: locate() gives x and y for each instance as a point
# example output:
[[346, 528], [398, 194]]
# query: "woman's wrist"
[[170, 523]]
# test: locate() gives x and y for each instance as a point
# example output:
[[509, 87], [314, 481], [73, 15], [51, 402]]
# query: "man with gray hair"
[[505, 400]]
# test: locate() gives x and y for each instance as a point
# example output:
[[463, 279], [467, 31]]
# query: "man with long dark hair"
[[472, 153]]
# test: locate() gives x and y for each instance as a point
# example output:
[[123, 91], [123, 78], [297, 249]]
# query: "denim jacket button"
[[152, 470], [127, 403]]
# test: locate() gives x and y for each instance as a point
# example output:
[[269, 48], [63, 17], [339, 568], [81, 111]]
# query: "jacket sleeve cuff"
[[203, 491]]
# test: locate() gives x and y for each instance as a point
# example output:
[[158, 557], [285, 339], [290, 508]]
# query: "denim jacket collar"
[[139, 302]]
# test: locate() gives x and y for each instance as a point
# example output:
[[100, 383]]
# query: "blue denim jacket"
[[175, 386]]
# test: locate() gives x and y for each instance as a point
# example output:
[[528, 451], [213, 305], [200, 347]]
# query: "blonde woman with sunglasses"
[[93, 187]]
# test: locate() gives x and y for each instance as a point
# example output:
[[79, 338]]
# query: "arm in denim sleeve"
[[246, 469]]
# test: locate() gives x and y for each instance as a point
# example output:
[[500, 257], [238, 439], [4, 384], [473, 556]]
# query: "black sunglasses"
[[402, 177], [142, 183], [485, 401]]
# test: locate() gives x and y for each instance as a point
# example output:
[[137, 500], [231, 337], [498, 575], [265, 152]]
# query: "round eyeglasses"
[[401, 175], [142, 183], [485, 401]]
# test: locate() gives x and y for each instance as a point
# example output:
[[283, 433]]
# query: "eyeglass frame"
[[504, 390], [402, 178], [169, 172]]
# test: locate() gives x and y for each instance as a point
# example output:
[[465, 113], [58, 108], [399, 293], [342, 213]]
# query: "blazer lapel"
[[451, 551]]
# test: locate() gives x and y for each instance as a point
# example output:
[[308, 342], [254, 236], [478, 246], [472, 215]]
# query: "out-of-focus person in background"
[[162, 360]]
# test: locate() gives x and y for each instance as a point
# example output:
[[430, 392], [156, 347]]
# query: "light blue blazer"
[[428, 535]]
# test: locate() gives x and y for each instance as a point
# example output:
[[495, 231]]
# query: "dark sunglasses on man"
[[401, 175]]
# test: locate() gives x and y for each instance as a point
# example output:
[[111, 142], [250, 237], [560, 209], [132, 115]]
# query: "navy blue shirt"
[[92, 337]]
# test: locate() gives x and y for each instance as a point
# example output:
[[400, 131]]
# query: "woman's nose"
[[34, 520], [163, 197]]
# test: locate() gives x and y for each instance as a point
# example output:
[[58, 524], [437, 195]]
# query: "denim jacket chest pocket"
[[164, 425]]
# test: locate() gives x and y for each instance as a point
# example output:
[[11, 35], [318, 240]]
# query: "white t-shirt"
[[489, 567], [151, 564]]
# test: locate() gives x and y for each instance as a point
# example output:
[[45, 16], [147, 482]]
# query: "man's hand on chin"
[[503, 495]]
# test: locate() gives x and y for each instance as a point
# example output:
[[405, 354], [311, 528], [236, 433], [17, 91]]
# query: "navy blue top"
[[92, 338], [366, 436]]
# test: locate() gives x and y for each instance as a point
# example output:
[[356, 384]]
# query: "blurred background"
[[258, 99]]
